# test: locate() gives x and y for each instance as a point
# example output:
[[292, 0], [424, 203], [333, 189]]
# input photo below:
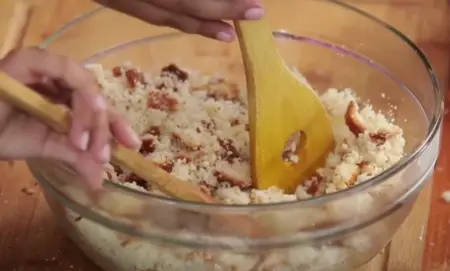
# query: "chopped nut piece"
[[234, 122], [379, 138], [155, 131], [162, 101], [316, 185], [148, 146], [293, 147], [363, 164], [117, 170], [232, 175], [133, 178], [231, 152], [353, 120], [354, 178], [220, 89], [167, 166], [117, 71], [134, 78], [173, 69]]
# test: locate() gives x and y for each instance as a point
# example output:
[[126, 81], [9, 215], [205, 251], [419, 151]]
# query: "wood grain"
[[30, 240]]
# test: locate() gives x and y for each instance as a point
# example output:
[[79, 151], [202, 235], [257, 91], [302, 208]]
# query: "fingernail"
[[84, 141], [105, 154], [254, 13], [225, 36], [100, 103]]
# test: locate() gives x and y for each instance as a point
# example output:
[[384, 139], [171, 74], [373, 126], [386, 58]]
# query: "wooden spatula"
[[290, 130], [58, 117]]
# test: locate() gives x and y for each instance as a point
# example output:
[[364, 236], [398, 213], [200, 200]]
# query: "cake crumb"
[[446, 196], [28, 191]]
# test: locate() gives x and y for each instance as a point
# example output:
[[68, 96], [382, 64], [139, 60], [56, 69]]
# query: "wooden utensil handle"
[[57, 116], [17, 26]]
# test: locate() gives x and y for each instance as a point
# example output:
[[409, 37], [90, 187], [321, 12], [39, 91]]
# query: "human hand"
[[204, 17], [87, 145]]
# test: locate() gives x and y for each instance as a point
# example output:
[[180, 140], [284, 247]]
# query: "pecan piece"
[[379, 138], [293, 147], [223, 90], [224, 178], [316, 186], [166, 166], [226, 173], [117, 71], [148, 146], [173, 69], [155, 131], [234, 122], [118, 170], [230, 151], [353, 120], [133, 178], [353, 178], [219, 89], [162, 101], [134, 78]]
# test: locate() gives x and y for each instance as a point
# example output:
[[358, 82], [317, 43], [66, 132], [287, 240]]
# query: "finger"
[[81, 122], [58, 146], [213, 29], [215, 9], [122, 131], [99, 141], [54, 90], [160, 16], [31, 65], [91, 170], [34, 65]]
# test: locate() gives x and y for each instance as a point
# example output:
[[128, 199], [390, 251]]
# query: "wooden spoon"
[[17, 28], [58, 117], [290, 130]]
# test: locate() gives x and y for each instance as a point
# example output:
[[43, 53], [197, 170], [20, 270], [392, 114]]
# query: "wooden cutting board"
[[30, 240]]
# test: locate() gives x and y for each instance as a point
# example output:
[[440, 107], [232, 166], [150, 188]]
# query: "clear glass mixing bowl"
[[121, 229]]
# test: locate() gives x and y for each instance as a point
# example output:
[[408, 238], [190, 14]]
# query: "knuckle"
[[169, 20]]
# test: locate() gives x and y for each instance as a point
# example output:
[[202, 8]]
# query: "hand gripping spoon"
[[290, 130], [58, 117]]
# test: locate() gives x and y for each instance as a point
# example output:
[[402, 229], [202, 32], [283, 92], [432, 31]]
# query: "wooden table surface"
[[30, 240]]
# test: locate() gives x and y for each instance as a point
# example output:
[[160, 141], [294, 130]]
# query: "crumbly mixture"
[[195, 126]]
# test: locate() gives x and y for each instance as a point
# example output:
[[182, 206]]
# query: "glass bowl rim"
[[314, 201]]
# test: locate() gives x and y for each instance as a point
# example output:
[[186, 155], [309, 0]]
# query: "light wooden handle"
[[17, 26], [58, 117]]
